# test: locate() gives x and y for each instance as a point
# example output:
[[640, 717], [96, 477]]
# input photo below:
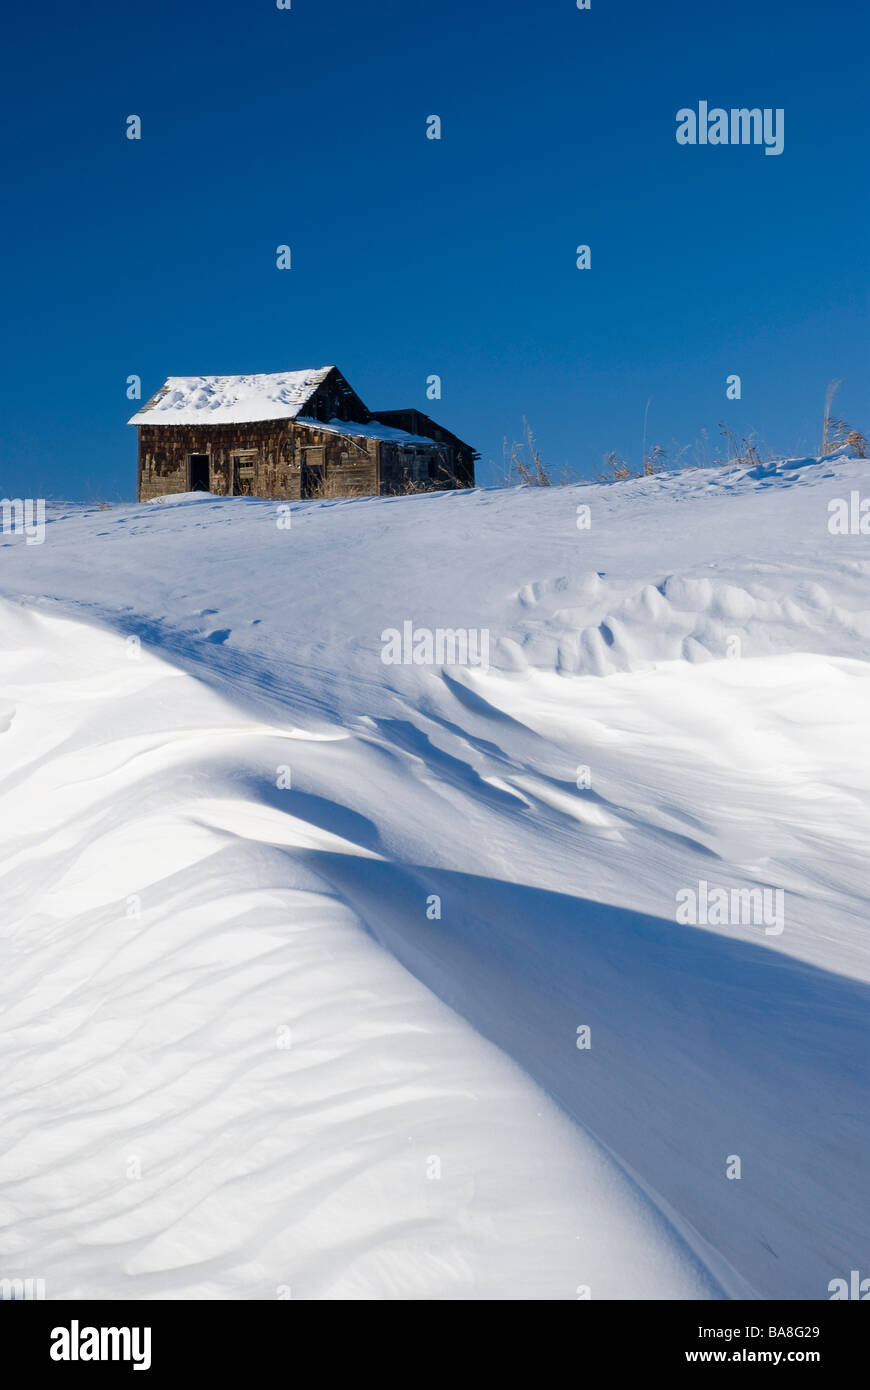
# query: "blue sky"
[[412, 256]]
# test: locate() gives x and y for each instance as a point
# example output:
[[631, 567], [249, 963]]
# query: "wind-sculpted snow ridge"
[[215, 1084], [458, 889]]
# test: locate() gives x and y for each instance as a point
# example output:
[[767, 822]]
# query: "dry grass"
[[836, 432], [833, 388], [529, 466], [743, 453], [522, 461]]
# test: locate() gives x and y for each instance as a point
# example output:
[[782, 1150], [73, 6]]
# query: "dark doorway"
[[199, 478], [312, 480], [313, 473]]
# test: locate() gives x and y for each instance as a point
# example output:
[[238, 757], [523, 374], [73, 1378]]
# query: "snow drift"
[[364, 980]]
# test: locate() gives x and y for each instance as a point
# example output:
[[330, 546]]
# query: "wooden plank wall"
[[351, 465]]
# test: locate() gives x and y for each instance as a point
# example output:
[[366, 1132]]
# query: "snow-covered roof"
[[230, 400], [373, 431]]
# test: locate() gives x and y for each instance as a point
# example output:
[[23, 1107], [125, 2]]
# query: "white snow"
[[230, 400], [375, 430], [173, 918]]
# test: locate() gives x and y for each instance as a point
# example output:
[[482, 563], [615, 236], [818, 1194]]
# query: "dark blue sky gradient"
[[413, 257]]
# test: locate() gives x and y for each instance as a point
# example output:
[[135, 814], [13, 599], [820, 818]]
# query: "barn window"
[[243, 472]]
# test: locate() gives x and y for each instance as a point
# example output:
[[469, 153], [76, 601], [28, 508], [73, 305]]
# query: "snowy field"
[[329, 977]]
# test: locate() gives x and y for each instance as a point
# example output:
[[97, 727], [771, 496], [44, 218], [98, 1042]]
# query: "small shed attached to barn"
[[289, 435]]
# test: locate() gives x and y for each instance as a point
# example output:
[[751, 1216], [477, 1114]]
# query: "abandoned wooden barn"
[[289, 435]]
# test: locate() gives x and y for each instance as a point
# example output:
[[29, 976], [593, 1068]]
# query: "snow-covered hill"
[[300, 947]]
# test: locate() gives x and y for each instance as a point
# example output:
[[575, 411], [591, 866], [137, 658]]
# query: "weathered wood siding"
[[350, 465], [335, 399], [456, 463], [409, 470]]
